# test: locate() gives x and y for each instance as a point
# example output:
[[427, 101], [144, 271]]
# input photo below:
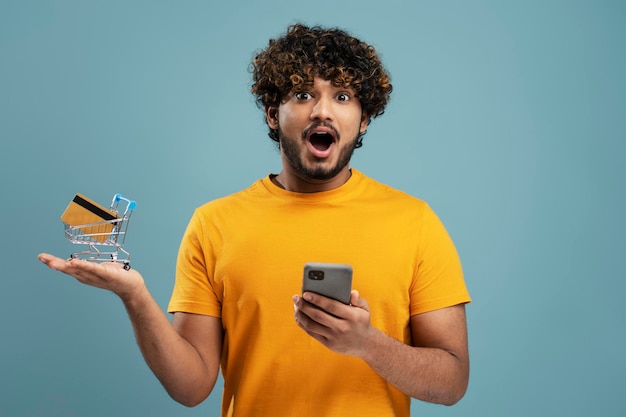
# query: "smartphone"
[[330, 280]]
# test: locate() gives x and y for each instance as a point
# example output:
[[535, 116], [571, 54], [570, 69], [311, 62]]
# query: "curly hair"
[[290, 63]]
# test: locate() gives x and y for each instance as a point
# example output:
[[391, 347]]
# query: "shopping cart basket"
[[104, 239]]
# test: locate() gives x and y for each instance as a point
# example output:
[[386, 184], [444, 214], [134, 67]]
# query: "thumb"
[[357, 301]]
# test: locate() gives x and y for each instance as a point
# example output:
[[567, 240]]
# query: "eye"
[[303, 95], [343, 97]]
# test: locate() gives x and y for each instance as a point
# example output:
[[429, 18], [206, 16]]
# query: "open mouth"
[[321, 141]]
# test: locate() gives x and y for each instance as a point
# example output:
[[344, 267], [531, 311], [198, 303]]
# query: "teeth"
[[321, 135]]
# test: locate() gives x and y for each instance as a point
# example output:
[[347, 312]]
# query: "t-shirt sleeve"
[[439, 278], [194, 288]]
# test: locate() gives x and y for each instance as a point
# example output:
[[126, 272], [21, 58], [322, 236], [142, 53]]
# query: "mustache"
[[315, 125]]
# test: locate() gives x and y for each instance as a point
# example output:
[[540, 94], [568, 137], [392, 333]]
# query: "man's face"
[[318, 128]]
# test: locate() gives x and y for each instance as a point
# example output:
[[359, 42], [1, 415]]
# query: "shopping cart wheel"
[[126, 265]]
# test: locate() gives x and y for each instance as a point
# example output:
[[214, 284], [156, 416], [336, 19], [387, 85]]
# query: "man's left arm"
[[434, 369]]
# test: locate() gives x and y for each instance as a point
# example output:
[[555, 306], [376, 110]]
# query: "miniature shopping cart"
[[102, 230]]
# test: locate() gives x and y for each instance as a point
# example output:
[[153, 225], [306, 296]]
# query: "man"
[[240, 263]]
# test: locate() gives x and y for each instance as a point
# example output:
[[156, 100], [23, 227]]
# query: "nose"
[[322, 110]]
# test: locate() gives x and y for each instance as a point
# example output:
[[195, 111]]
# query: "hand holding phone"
[[328, 279]]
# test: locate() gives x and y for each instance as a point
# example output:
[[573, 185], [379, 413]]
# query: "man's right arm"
[[184, 355]]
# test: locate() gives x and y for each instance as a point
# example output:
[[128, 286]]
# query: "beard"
[[317, 171]]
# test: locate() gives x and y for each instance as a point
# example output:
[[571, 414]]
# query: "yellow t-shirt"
[[242, 257]]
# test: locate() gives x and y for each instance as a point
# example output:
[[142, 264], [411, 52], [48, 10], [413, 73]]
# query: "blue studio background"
[[508, 117]]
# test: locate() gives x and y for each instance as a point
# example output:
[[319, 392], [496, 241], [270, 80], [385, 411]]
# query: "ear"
[[365, 121], [271, 116]]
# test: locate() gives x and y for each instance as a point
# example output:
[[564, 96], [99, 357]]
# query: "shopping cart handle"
[[118, 197]]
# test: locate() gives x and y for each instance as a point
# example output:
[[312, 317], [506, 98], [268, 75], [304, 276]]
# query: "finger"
[[334, 308], [87, 272], [309, 325], [53, 262], [357, 301], [302, 311], [62, 265]]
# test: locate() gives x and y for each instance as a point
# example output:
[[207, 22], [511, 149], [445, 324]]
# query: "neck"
[[297, 184]]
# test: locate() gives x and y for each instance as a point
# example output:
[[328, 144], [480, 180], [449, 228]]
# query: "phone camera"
[[316, 275]]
